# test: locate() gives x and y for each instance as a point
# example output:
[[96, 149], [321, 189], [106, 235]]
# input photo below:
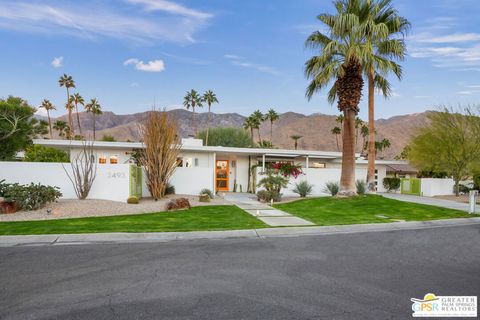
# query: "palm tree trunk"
[[70, 122], [371, 187], [78, 120], [50, 124], [208, 125], [271, 131], [193, 120], [347, 179], [93, 126], [251, 135], [296, 144], [259, 138], [338, 146]]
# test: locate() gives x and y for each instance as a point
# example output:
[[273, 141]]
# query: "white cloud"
[[150, 66], [241, 62], [100, 20], [57, 62], [427, 37], [171, 7]]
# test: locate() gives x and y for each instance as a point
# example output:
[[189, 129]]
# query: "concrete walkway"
[[269, 215], [430, 201], [153, 237]]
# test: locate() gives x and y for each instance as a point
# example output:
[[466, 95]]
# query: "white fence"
[[111, 182], [437, 187]]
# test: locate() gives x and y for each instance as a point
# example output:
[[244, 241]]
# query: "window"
[[102, 159], [114, 159], [318, 165], [196, 162]]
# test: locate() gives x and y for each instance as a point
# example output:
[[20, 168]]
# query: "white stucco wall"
[[437, 187], [111, 182]]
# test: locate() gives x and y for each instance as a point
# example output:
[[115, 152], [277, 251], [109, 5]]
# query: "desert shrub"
[[203, 197], [132, 200], [361, 186], [391, 183], [37, 153], [169, 189], [331, 188], [207, 191], [463, 188], [3, 187], [303, 188], [269, 195], [32, 196], [272, 183]]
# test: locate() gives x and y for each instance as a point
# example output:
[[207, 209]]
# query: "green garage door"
[[411, 186], [136, 181]]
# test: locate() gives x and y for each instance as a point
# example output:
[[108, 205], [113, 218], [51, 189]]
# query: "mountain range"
[[315, 129]]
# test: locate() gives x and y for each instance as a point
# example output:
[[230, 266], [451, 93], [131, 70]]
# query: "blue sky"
[[130, 53]]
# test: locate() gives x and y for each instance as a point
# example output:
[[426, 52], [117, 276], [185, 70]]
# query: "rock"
[[204, 198], [8, 207], [177, 204]]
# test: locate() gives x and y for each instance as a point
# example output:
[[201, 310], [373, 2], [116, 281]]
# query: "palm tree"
[[68, 82], [358, 127], [61, 127], [258, 118], [95, 108], [210, 98], [296, 138], [385, 143], [336, 131], [249, 124], [273, 116], [191, 100], [364, 132], [47, 105], [342, 58], [78, 99], [384, 50]]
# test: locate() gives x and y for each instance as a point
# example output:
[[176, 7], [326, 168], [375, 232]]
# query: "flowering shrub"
[[287, 169]]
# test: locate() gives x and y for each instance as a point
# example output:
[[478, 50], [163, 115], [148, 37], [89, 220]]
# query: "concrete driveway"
[[340, 276], [430, 201]]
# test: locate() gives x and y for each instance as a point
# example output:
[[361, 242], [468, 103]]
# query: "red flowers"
[[287, 169]]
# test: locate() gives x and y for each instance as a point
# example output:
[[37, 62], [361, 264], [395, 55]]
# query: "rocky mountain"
[[315, 129]]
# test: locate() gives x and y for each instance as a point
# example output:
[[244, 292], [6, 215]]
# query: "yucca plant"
[[361, 186], [331, 188], [303, 188]]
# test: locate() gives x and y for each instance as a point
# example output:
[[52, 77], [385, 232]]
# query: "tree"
[[47, 105], [273, 116], [108, 138], [37, 153], [450, 143], [78, 99], [226, 137], [192, 100], [68, 82], [249, 124], [84, 170], [386, 45], [61, 127], [17, 126], [364, 133], [96, 110], [161, 152], [342, 55], [385, 143], [257, 119], [404, 154], [336, 131], [295, 138], [210, 98]]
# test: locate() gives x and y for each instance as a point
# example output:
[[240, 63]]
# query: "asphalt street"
[[341, 276]]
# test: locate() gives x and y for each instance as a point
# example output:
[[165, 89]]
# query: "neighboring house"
[[401, 170], [226, 169]]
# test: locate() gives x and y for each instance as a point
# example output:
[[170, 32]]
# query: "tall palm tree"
[[385, 50], [61, 127], [258, 117], [210, 98], [47, 105], [385, 143], [343, 53], [273, 116], [295, 138], [249, 124], [336, 131], [95, 108], [68, 82], [191, 100], [358, 127], [78, 99]]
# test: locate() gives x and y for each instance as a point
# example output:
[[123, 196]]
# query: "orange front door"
[[221, 175]]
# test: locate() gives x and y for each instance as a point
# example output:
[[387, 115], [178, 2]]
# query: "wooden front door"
[[221, 175]]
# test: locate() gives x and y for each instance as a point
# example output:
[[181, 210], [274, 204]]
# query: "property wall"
[[111, 182], [437, 187]]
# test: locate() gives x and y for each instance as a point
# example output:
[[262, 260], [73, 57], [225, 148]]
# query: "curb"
[[110, 238]]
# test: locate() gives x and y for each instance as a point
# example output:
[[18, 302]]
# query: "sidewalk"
[[430, 201], [109, 238], [269, 215]]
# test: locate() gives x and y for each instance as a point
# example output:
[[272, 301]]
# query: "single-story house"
[[222, 169], [401, 170]]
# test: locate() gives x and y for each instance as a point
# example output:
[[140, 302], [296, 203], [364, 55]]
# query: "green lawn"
[[195, 219], [365, 209]]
